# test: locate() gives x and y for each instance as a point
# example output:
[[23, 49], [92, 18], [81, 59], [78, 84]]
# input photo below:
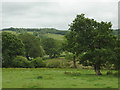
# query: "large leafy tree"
[[32, 45], [93, 39], [11, 47]]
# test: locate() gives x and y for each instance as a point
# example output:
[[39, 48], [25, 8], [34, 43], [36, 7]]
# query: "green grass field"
[[56, 78]]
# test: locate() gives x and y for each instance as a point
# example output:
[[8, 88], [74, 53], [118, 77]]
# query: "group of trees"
[[26, 45], [93, 42]]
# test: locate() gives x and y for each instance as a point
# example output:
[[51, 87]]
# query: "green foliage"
[[51, 47], [37, 62], [97, 56], [69, 56], [109, 73], [92, 37], [20, 62], [116, 60], [32, 45], [11, 47], [53, 64], [36, 34]]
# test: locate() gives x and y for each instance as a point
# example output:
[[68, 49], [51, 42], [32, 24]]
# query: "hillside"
[[40, 30], [42, 33]]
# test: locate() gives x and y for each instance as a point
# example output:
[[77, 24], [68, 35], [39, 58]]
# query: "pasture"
[[56, 78]]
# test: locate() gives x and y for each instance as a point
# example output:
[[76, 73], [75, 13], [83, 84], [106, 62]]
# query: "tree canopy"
[[94, 40], [32, 45], [11, 47], [51, 47]]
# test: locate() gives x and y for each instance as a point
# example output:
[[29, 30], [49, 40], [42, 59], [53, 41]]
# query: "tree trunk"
[[27, 57], [97, 70], [74, 62]]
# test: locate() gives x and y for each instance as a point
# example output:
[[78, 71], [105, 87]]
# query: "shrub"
[[37, 62], [53, 64], [20, 62], [69, 56], [64, 64]]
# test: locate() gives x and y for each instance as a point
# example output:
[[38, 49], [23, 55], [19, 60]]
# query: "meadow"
[[56, 78], [58, 71]]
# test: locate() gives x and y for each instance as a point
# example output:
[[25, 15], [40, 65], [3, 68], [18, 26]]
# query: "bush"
[[64, 64], [53, 64], [69, 56], [20, 62], [37, 62]]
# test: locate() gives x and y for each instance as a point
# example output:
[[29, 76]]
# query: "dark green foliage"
[[109, 73], [69, 56], [11, 47], [32, 45], [116, 60], [37, 62], [20, 62], [51, 47], [93, 39], [71, 46]]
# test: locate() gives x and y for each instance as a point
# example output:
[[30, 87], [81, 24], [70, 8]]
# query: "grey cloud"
[[55, 14]]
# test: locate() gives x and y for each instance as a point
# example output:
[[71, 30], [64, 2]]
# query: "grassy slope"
[[55, 78], [54, 36]]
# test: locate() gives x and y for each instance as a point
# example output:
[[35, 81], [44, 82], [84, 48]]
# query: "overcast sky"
[[56, 13]]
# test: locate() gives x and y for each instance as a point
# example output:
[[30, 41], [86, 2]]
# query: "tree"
[[51, 47], [11, 47], [32, 46], [70, 45], [93, 39], [116, 58]]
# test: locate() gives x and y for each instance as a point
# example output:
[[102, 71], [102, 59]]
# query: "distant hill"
[[41, 30], [49, 32]]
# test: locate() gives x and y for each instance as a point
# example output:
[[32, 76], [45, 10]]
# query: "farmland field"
[[56, 78]]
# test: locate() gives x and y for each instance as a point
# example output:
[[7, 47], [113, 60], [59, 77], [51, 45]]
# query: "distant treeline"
[[45, 30], [41, 30]]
